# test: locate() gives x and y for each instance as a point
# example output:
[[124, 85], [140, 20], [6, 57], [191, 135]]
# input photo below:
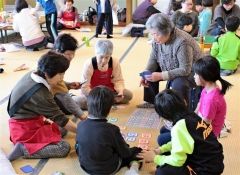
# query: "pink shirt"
[[212, 106]]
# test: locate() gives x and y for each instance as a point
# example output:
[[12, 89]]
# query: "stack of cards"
[[144, 141], [131, 136]]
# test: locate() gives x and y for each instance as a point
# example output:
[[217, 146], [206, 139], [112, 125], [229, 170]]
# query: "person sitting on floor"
[[35, 118], [227, 47], [185, 23], [193, 149], [67, 45], [26, 23], [104, 70], [68, 17], [144, 11], [100, 146]]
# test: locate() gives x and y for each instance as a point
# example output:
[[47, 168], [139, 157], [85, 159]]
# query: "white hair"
[[104, 47]]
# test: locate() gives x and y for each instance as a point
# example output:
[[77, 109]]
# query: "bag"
[[92, 15], [137, 31], [121, 14]]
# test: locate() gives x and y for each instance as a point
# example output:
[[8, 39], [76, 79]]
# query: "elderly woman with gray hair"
[[104, 70], [173, 54]]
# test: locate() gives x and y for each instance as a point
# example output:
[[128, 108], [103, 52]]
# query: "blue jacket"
[[108, 7]]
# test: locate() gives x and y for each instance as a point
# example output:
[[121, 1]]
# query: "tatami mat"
[[132, 65]]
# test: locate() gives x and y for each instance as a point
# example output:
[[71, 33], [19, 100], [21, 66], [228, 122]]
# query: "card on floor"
[[143, 141], [130, 139], [111, 119], [27, 169], [143, 146], [132, 134], [146, 135]]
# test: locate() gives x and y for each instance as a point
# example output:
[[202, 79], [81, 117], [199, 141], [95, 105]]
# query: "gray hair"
[[104, 47], [161, 23]]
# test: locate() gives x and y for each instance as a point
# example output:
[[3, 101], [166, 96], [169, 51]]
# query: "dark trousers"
[[164, 137], [171, 170], [51, 24], [182, 85], [105, 19]]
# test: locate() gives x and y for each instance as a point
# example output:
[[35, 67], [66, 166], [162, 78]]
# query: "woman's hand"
[[74, 85], [155, 76], [144, 83], [119, 97], [148, 156], [46, 120]]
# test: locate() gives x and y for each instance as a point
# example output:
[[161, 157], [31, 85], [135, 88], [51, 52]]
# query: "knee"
[[65, 148], [128, 95]]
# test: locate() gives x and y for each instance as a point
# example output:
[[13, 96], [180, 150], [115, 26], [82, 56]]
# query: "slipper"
[[22, 67]]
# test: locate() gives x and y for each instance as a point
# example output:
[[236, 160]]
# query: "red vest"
[[70, 16], [34, 133], [102, 77]]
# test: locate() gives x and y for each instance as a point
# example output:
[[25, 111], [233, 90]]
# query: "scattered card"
[[146, 135], [132, 134], [130, 139], [143, 141], [27, 169], [112, 120], [143, 146]]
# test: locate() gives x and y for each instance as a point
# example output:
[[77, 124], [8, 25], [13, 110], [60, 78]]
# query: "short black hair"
[[208, 68], [183, 20], [232, 23], [207, 3], [176, 5], [20, 4], [65, 42], [227, 1], [51, 64], [100, 101], [198, 2], [170, 105]]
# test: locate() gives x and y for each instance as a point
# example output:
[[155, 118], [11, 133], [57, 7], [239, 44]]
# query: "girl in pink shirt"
[[212, 105]]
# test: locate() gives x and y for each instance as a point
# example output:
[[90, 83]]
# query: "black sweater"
[[101, 146]]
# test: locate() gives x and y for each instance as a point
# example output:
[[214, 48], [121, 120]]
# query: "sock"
[[133, 169], [17, 152]]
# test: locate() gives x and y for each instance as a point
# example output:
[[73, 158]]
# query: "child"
[[68, 16], [26, 23], [105, 70], [205, 17], [221, 12], [185, 23], [104, 10], [187, 6], [198, 6], [144, 11], [67, 45], [212, 106], [50, 17], [100, 146], [193, 150], [227, 47]]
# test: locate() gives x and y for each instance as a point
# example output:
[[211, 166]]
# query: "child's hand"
[[157, 151], [148, 156], [74, 85], [46, 120]]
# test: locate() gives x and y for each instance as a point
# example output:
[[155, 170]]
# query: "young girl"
[[194, 150], [187, 6], [68, 16], [212, 105]]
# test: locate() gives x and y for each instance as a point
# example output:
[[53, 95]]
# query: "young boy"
[[67, 45], [185, 23], [227, 48], [100, 146], [104, 70]]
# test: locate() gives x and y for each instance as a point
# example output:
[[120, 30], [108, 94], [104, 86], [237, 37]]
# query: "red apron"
[[70, 16], [33, 133], [102, 77]]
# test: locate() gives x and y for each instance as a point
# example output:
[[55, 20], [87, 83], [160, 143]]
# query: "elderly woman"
[[171, 59], [104, 70], [34, 115]]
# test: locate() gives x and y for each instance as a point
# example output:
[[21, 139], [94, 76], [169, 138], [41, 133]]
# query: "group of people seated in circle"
[[40, 101]]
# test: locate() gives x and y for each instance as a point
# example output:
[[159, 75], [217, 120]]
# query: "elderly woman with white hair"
[[105, 70], [173, 54]]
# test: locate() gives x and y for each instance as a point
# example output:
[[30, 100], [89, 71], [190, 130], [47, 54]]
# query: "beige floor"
[[133, 63]]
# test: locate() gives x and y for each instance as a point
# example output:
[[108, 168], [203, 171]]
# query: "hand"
[[144, 83], [46, 120], [119, 97], [83, 116], [74, 85], [155, 76], [157, 151], [148, 156]]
